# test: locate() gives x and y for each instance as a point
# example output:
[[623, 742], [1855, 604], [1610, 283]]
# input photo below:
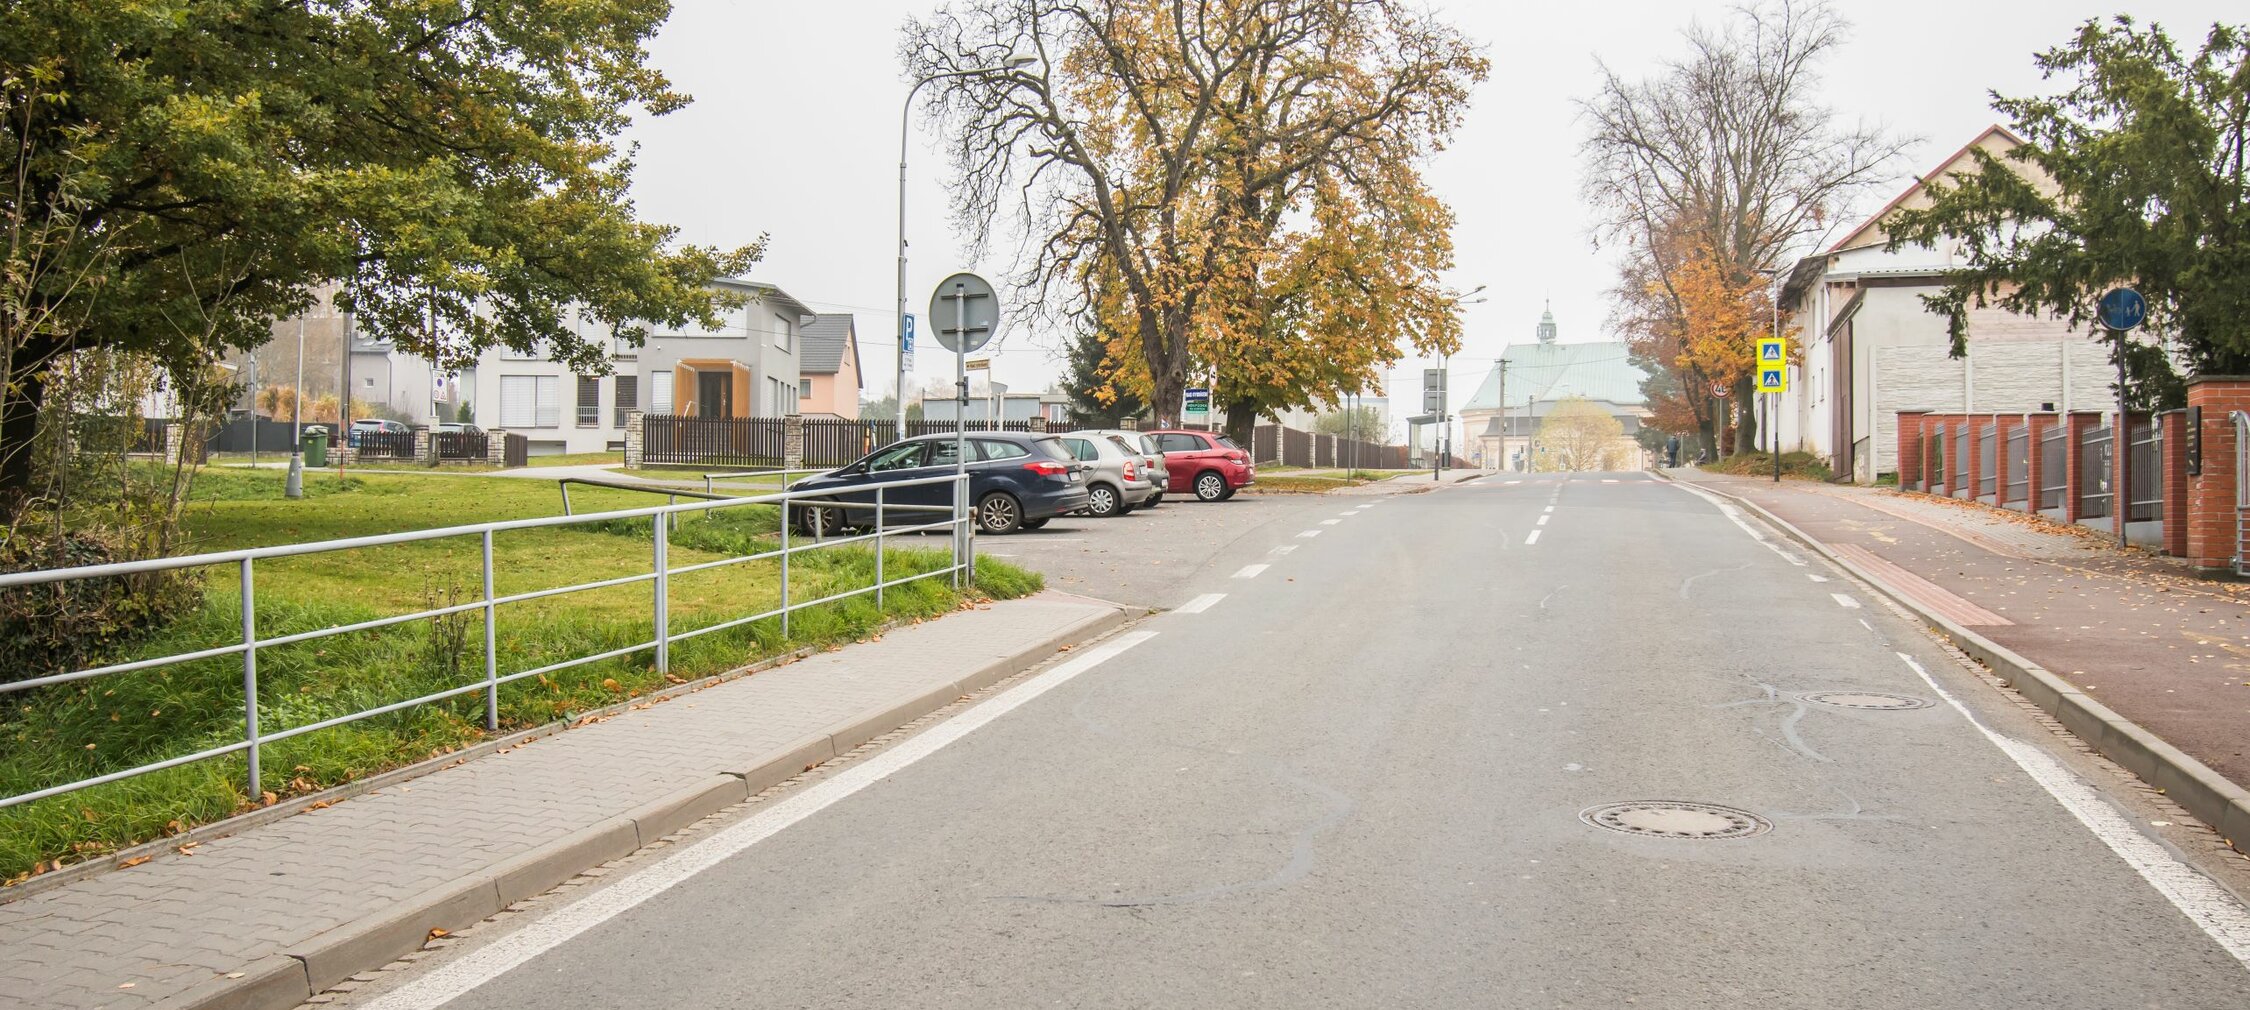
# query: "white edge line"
[[510, 952], [2210, 907], [1200, 603]]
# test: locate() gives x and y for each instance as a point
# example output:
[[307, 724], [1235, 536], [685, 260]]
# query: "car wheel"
[[820, 521], [1153, 500], [1102, 502], [998, 513], [1032, 524], [1210, 486], [1231, 489]]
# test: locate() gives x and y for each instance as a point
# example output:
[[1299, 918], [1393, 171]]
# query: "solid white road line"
[[478, 967], [1308, 534], [1200, 603], [1727, 508], [1251, 571], [2221, 917], [1845, 601], [1532, 539]]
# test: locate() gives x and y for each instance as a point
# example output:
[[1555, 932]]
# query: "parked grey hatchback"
[[1117, 478], [1152, 458]]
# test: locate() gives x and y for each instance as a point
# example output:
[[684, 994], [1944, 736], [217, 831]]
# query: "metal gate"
[[1959, 485], [2094, 473], [1988, 461], [2019, 467]]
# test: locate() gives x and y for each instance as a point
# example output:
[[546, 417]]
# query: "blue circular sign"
[[2123, 309]]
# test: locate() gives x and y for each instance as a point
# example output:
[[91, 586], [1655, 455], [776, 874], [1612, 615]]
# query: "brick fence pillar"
[[792, 441], [175, 439], [2035, 470], [2210, 495], [1039, 425], [2076, 426], [1129, 424], [496, 447], [1910, 447], [2172, 473], [633, 443], [425, 447]]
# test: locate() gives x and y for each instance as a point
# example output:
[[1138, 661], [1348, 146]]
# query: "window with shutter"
[[519, 401], [550, 401], [660, 392]]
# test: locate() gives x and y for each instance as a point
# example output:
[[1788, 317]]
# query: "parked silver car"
[[1117, 479], [1152, 459]]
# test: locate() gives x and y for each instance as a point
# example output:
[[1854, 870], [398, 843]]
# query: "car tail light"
[[1237, 457], [1046, 468], [1132, 472]]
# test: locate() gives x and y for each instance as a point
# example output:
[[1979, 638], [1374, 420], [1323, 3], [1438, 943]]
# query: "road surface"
[[1360, 765]]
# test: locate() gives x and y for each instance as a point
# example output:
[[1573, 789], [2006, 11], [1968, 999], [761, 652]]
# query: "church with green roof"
[[1500, 421]]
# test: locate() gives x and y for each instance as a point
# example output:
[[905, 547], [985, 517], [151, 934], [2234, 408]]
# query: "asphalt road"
[[1356, 777]]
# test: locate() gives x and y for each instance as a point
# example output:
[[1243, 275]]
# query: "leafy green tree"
[[1363, 423], [2133, 175], [179, 174]]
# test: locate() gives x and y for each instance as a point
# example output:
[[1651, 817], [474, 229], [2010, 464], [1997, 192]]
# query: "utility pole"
[[294, 485]]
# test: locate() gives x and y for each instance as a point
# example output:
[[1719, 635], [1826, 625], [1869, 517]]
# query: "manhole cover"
[[1865, 700], [1676, 819]]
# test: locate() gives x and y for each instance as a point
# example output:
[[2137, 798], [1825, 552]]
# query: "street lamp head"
[[1020, 62]]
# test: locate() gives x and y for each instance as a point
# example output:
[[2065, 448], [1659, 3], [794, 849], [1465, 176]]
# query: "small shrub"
[[58, 626]]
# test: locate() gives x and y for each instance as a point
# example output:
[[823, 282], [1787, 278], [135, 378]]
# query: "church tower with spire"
[[1547, 331]]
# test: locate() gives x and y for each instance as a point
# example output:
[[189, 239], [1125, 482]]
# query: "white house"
[[748, 367], [1871, 349]]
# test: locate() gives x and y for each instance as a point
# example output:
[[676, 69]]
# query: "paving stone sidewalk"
[[2169, 651], [180, 924]]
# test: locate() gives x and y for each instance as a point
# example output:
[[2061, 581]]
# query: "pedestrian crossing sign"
[[1773, 365]]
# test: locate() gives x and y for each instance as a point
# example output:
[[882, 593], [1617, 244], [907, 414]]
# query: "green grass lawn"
[[63, 733]]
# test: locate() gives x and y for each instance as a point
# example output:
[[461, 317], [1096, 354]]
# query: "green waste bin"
[[316, 447]]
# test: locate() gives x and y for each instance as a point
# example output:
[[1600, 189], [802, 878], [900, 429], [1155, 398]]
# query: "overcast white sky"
[[794, 132]]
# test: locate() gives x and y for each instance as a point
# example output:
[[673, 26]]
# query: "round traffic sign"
[[2123, 309], [1720, 390], [965, 312]]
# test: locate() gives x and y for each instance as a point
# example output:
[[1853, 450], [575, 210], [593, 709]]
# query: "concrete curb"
[[2211, 797], [305, 969]]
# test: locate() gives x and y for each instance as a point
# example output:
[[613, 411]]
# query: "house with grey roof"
[[1500, 421], [828, 360]]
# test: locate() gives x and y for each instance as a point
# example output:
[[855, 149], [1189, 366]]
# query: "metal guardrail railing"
[[710, 479], [662, 518]]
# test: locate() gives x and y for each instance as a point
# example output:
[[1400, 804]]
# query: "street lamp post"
[[294, 486], [905, 117]]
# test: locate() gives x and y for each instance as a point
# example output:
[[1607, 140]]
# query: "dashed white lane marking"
[[2221, 917], [1200, 603], [1543, 520], [1532, 539], [1845, 601], [1550, 508], [510, 952], [1350, 512], [1816, 578], [1251, 571], [1330, 522], [1308, 534], [1863, 623], [1282, 549]]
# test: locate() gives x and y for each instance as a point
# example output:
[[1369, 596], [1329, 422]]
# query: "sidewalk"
[[2157, 646], [279, 911]]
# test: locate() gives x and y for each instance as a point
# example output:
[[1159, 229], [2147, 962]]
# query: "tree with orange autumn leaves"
[[1712, 174], [1226, 191]]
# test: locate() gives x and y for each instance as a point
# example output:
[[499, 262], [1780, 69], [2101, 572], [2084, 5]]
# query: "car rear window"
[[1053, 447], [1127, 446], [1148, 444], [992, 449], [1227, 443]]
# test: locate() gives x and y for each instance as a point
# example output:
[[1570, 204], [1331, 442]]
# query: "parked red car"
[[1209, 465]]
